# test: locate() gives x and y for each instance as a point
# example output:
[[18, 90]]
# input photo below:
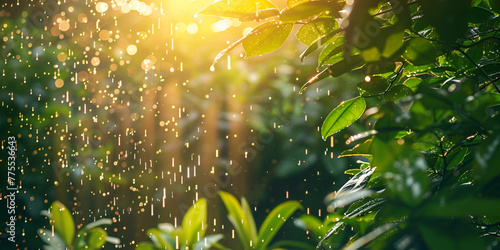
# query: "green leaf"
[[495, 5], [207, 242], [194, 223], [362, 149], [311, 223], [318, 43], [250, 223], [160, 239], [259, 15], [352, 171], [292, 3], [397, 92], [345, 65], [146, 246], [267, 37], [238, 218], [463, 208], [356, 183], [54, 241], [98, 223], [479, 14], [393, 43], [61, 219], [96, 238], [236, 8], [412, 83], [318, 77], [274, 221], [420, 52], [312, 31], [374, 85], [448, 17], [371, 236], [332, 53], [308, 10], [342, 116]]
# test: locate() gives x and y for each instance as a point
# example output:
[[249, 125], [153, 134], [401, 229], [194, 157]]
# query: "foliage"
[[191, 235], [91, 236], [430, 70], [244, 224]]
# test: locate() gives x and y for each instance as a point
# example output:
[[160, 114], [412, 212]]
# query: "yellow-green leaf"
[[266, 38], [194, 223], [61, 219], [342, 116], [275, 220], [236, 8]]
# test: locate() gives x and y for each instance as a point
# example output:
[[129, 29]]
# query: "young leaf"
[[397, 92], [375, 85], [362, 149], [420, 52], [307, 10], [237, 218], [345, 65], [319, 42], [98, 223], [161, 239], [194, 222], [343, 116], [96, 238], [54, 241], [207, 242], [250, 223], [236, 8], [268, 37], [62, 221], [311, 31], [275, 220]]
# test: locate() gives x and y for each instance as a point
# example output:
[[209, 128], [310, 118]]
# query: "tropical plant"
[[429, 102], [191, 235], [92, 236], [243, 222]]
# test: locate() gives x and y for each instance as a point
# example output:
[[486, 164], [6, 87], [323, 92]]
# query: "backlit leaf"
[[342, 116]]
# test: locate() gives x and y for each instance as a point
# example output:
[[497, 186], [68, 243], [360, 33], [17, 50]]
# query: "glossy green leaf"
[[479, 14], [274, 221], [332, 53], [307, 10], [96, 237], [207, 242], [236, 8], [374, 85], [259, 15], [420, 52], [318, 77], [365, 239], [362, 149], [267, 37], [194, 223], [311, 223], [312, 31], [318, 43], [342, 116], [238, 218], [61, 219], [398, 92], [345, 66], [356, 183], [412, 83]]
